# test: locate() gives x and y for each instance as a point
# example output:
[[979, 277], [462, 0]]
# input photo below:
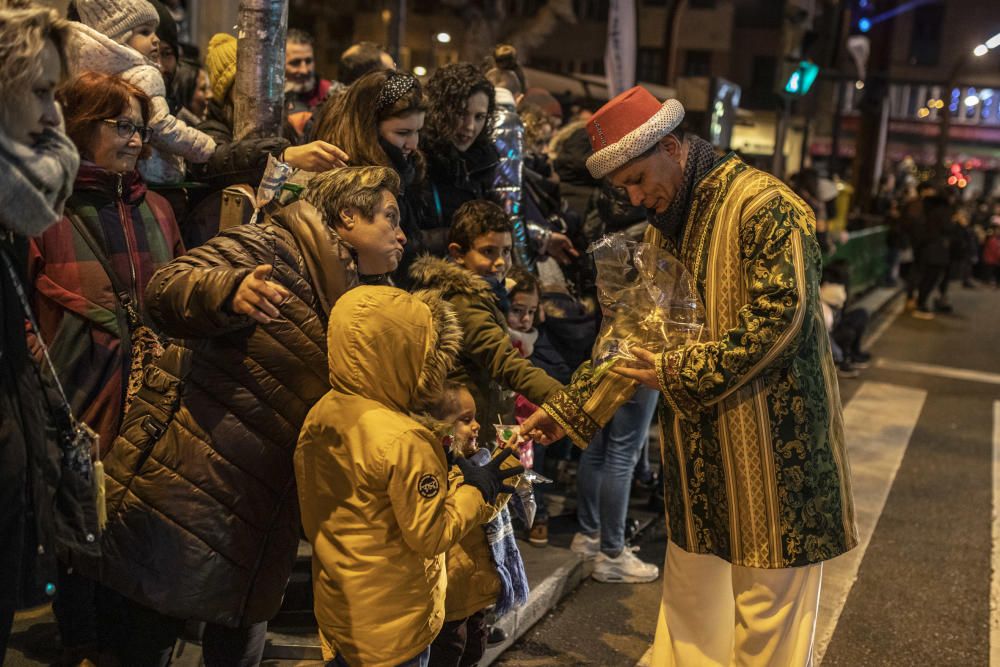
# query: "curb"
[[541, 600]]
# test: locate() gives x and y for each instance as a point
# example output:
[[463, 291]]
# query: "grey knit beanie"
[[116, 18]]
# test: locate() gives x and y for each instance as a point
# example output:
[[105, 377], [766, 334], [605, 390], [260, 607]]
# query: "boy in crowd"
[[472, 279]]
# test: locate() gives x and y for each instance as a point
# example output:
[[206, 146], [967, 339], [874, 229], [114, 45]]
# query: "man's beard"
[[292, 86]]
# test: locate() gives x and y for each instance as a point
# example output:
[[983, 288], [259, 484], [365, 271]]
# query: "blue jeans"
[[604, 478], [421, 660]]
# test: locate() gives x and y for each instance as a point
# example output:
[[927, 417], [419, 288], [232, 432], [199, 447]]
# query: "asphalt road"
[[921, 596]]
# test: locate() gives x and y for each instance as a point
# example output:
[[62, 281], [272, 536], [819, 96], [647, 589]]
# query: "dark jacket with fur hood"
[[488, 364], [202, 515]]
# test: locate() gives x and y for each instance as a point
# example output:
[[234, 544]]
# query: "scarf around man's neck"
[[700, 160], [35, 181]]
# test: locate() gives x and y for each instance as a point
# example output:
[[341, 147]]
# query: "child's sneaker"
[[586, 546], [625, 569]]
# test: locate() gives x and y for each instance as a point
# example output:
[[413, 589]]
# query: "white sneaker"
[[625, 569], [586, 546]]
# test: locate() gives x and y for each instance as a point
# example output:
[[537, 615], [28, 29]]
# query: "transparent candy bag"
[[509, 435], [648, 298], [275, 175]]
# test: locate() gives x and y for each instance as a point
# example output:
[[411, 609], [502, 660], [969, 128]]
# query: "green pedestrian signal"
[[801, 79]]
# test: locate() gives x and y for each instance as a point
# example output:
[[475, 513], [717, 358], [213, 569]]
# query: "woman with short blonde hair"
[[37, 166]]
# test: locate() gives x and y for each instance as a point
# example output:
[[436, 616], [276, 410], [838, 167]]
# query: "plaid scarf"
[[509, 566]]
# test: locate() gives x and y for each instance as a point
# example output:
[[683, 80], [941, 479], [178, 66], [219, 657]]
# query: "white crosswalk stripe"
[[879, 421]]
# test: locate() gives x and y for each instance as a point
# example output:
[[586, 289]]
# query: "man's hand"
[[646, 374], [259, 297], [541, 427], [561, 248], [315, 156]]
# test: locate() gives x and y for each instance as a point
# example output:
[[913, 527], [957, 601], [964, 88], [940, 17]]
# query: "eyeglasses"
[[127, 128]]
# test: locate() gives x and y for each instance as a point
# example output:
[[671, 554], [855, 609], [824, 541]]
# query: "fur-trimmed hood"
[[428, 272], [392, 347]]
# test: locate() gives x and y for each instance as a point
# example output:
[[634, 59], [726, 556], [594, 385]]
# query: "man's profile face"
[[654, 180]]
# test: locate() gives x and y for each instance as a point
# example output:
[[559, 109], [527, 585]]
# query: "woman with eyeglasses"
[[113, 235], [135, 233]]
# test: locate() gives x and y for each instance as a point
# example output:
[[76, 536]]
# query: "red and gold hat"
[[628, 126]]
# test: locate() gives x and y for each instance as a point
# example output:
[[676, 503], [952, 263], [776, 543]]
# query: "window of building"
[[925, 38], [591, 10], [649, 65], [758, 13], [697, 63]]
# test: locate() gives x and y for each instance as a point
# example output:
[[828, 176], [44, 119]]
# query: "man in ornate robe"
[[756, 477]]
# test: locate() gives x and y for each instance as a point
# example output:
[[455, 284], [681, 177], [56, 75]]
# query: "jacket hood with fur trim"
[[430, 272], [392, 347]]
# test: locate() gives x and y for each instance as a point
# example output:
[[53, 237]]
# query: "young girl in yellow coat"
[[485, 568]]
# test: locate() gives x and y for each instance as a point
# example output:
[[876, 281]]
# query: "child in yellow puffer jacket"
[[485, 568], [371, 479]]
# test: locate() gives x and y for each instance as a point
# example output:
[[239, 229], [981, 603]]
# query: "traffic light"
[[800, 77]]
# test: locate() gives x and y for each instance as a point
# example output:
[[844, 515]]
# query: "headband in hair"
[[395, 86]]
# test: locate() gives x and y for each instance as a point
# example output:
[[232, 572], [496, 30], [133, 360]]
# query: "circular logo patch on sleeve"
[[428, 486]]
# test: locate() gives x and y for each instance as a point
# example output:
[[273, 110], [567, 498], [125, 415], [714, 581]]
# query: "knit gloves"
[[489, 478]]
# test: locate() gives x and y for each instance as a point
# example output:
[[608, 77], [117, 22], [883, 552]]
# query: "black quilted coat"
[[203, 518]]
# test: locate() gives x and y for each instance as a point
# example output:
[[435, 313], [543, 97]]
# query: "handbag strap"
[[122, 293], [30, 316]]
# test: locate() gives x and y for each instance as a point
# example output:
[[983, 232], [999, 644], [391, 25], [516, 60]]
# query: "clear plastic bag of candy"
[[509, 435], [648, 298]]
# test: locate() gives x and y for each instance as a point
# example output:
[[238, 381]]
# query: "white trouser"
[[716, 614]]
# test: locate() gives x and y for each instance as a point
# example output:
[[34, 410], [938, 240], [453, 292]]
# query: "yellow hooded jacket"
[[373, 482]]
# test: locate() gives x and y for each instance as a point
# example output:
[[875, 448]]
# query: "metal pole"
[[835, 130], [397, 31], [672, 51], [945, 129], [780, 132], [259, 92], [872, 129], [804, 151]]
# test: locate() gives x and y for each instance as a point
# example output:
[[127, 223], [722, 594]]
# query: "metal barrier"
[[865, 252]]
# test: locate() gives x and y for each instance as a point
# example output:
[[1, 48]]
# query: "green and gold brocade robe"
[[754, 458]]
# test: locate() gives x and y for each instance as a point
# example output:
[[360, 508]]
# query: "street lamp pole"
[[945, 129], [259, 89]]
